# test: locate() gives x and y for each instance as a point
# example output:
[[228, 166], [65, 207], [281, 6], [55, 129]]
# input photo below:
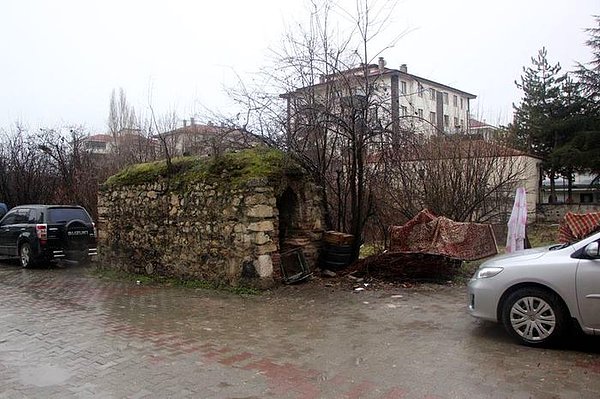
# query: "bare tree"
[[24, 175], [336, 113], [49, 166], [71, 165], [130, 133], [159, 126], [121, 115], [458, 177], [341, 121]]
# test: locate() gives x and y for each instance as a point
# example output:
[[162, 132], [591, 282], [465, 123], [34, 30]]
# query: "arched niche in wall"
[[289, 212]]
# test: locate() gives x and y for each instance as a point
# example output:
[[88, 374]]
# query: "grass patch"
[[466, 271], [149, 172], [367, 250], [232, 168], [143, 279], [540, 235]]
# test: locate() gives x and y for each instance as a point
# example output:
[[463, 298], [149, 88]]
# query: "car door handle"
[[596, 296]]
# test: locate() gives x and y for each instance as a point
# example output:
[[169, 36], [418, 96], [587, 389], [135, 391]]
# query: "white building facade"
[[404, 102], [439, 108]]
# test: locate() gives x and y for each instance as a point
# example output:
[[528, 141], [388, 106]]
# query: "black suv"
[[42, 233]]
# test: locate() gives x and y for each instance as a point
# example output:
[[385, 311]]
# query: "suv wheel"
[[26, 255], [534, 316]]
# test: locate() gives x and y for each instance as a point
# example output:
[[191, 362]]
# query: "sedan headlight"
[[488, 272]]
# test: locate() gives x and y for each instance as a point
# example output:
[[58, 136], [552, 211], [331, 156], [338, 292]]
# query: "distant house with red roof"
[[125, 147], [99, 143], [483, 129], [190, 139], [206, 139]]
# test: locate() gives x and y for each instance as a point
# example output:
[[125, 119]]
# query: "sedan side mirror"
[[592, 250]]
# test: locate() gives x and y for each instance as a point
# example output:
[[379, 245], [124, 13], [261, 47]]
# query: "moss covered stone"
[[252, 166], [210, 219]]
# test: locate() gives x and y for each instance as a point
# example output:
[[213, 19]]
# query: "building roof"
[[453, 147], [468, 147], [198, 128], [101, 138], [125, 135], [475, 124], [374, 70], [429, 82]]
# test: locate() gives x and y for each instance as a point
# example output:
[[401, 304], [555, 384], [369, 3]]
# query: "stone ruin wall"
[[208, 232]]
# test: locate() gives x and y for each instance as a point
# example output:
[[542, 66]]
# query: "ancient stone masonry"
[[209, 229]]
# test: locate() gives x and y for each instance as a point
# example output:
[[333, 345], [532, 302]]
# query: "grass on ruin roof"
[[233, 168]]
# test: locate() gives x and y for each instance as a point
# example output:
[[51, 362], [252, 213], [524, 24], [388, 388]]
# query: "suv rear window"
[[65, 215]]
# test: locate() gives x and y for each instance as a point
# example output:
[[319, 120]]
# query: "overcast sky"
[[60, 59]]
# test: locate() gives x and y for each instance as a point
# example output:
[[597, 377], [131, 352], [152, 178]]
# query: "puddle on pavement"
[[44, 376]]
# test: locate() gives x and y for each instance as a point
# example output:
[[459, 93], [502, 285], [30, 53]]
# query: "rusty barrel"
[[336, 252]]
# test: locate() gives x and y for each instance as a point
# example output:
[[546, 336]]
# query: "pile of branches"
[[399, 266]]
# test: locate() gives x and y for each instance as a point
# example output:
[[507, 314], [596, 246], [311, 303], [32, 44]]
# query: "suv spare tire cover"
[[78, 233]]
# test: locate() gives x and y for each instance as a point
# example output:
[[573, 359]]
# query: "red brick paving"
[[115, 339]]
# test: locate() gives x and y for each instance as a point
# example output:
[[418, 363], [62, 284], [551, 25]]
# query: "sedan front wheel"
[[534, 316]]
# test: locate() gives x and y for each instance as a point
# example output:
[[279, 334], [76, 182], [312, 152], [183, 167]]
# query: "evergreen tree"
[[570, 119], [558, 118], [587, 141], [537, 120], [589, 76]]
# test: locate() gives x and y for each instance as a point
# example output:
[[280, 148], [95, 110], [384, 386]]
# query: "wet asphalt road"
[[65, 334]]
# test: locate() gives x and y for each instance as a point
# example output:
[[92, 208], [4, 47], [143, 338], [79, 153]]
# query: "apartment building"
[[444, 108], [406, 102]]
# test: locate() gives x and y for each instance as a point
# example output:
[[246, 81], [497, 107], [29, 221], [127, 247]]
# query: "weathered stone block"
[[256, 199], [264, 266], [261, 238], [266, 249], [260, 211], [264, 225], [239, 228], [257, 182]]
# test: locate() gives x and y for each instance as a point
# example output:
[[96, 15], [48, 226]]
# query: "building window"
[[586, 198], [446, 121], [432, 93], [95, 145], [404, 110], [461, 103], [420, 89], [445, 98], [403, 87], [456, 125], [420, 113], [455, 101], [432, 118], [462, 123]]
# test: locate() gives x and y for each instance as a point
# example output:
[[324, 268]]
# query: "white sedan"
[[538, 293]]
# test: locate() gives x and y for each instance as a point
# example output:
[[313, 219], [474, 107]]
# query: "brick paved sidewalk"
[[64, 334]]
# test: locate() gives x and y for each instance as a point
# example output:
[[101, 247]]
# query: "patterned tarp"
[[429, 234], [576, 226]]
